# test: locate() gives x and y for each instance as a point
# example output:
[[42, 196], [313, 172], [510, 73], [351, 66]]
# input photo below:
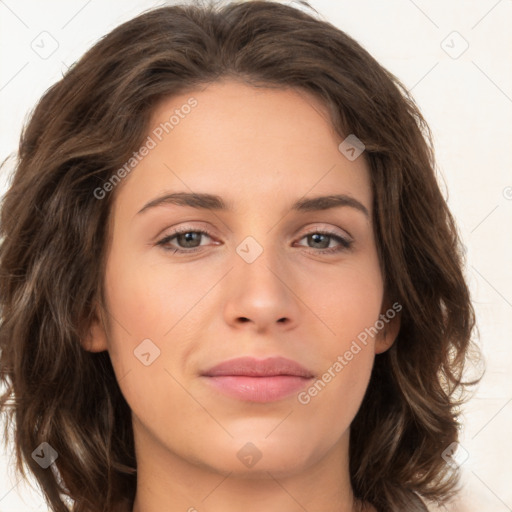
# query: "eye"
[[189, 241], [323, 238], [186, 236]]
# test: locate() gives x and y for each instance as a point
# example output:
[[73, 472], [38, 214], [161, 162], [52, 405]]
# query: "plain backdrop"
[[455, 57]]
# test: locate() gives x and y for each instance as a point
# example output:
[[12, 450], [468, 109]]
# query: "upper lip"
[[252, 367]]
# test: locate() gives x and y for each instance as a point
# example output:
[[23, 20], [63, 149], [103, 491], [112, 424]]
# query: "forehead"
[[245, 143]]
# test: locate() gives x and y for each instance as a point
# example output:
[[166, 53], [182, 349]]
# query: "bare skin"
[[260, 150]]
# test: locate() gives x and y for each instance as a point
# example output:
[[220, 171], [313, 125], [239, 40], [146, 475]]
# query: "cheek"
[[348, 298], [350, 304], [152, 307], [144, 305], [148, 298]]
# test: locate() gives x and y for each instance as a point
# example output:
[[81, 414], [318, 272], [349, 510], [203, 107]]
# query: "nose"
[[262, 293]]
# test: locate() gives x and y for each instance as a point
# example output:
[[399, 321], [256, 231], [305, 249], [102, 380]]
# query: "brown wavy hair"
[[54, 237]]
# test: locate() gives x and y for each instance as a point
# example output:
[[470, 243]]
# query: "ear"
[[390, 316], [95, 338]]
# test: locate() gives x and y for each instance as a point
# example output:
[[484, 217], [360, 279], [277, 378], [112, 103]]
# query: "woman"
[[229, 276]]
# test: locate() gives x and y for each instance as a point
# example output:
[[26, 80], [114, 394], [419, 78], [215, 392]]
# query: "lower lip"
[[259, 389]]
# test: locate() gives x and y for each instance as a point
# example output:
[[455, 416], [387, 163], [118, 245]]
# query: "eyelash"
[[345, 244]]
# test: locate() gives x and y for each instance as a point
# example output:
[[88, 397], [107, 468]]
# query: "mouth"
[[256, 380], [259, 389]]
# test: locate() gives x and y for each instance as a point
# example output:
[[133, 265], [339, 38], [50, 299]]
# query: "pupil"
[[189, 237], [316, 237]]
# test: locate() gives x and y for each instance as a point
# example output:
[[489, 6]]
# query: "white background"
[[467, 102]]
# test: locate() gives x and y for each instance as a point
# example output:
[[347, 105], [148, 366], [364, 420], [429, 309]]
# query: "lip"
[[258, 380]]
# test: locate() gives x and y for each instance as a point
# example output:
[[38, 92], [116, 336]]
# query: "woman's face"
[[260, 284]]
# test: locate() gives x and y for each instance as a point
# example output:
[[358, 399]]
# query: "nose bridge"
[[258, 257], [258, 230]]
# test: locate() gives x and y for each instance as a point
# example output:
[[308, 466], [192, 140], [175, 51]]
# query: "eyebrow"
[[214, 202]]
